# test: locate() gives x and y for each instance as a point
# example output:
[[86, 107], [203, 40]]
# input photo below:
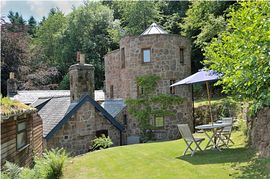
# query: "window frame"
[[20, 132], [155, 123], [182, 55], [142, 51]]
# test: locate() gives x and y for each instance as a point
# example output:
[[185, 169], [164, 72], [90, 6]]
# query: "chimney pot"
[[11, 75], [82, 58], [78, 56]]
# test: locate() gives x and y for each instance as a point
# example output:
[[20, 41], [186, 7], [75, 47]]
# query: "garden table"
[[216, 128]]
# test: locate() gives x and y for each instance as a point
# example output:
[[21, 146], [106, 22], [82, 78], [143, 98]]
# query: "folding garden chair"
[[225, 134], [189, 139]]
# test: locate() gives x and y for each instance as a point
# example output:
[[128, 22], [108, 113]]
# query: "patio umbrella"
[[201, 76]]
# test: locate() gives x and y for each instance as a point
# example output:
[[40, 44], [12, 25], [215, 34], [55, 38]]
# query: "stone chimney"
[[11, 85], [81, 77]]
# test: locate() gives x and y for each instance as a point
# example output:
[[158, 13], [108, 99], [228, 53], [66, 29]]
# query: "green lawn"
[[164, 160]]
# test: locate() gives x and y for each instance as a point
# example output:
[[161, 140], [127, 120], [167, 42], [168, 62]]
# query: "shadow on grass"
[[257, 168], [225, 156]]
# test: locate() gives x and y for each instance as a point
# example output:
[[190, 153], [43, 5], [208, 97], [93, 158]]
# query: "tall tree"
[[87, 31], [32, 23], [17, 22], [49, 34], [203, 21], [172, 14], [138, 15], [241, 53]]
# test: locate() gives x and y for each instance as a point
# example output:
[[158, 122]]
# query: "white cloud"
[[41, 8]]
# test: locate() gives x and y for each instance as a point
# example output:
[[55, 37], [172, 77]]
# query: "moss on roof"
[[11, 107]]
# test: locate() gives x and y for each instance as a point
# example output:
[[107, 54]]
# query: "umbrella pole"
[[209, 101], [192, 91]]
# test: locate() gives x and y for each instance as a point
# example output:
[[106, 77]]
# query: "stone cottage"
[[71, 119], [153, 52]]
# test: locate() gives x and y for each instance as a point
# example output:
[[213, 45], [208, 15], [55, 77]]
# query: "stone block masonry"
[[170, 58]]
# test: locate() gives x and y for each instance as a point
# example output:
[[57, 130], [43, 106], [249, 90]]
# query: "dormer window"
[[146, 55]]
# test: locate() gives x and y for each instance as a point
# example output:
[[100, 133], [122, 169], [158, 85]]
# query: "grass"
[[9, 107], [164, 160]]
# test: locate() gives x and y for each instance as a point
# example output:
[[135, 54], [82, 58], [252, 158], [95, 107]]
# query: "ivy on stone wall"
[[150, 103]]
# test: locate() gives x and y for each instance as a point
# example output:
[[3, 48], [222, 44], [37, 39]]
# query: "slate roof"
[[114, 106], [53, 112], [154, 29], [35, 96], [58, 110]]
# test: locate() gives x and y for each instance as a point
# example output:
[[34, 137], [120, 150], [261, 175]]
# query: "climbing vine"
[[149, 103]]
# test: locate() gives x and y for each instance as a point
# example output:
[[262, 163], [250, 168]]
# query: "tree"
[[150, 104], [15, 54], [49, 34], [138, 15], [241, 53], [32, 23], [203, 21], [17, 22], [88, 32], [172, 14]]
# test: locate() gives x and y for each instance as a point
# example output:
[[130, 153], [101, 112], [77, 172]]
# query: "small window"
[[159, 121], [123, 58], [21, 135], [125, 119], [102, 132], [111, 91], [146, 55], [182, 61], [139, 91], [172, 89]]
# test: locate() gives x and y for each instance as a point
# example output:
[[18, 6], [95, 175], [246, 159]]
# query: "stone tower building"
[[153, 52]]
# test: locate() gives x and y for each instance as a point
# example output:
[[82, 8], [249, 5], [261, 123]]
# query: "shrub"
[[11, 170], [51, 164], [102, 142]]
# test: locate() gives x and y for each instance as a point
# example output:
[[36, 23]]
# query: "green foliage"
[[11, 170], [102, 142], [241, 53], [50, 165], [150, 104], [65, 83], [49, 36], [138, 15], [203, 21]]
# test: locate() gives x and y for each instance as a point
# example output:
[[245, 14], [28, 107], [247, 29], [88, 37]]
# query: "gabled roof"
[[154, 29], [53, 112], [114, 106], [57, 121]]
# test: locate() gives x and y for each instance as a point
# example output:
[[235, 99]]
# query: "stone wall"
[[165, 62], [260, 132], [76, 135], [25, 155]]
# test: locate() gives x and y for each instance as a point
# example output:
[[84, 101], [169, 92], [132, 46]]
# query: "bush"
[[50, 166], [102, 142], [11, 170]]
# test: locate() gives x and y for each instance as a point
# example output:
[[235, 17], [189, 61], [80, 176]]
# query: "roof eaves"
[[76, 107]]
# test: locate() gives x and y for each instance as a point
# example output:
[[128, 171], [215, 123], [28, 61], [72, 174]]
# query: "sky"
[[36, 8]]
